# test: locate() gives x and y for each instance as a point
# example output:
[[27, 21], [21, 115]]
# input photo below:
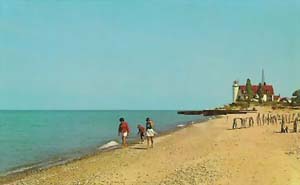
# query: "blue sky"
[[116, 54]]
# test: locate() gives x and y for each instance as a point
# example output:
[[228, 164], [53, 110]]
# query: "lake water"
[[33, 138]]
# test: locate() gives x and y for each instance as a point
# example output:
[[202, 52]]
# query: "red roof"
[[267, 88]]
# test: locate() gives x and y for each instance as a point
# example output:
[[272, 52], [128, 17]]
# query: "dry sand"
[[206, 153]]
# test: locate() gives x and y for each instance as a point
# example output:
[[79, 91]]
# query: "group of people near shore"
[[147, 131], [268, 119]]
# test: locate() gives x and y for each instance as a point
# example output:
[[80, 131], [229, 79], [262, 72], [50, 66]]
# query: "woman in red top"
[[124, 131]]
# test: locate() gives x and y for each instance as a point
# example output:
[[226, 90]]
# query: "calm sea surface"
[[36, 137]]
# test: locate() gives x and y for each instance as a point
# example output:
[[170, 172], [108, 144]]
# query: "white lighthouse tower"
[[235, 90]]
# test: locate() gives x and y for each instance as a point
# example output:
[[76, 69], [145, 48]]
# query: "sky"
[[135, 54]]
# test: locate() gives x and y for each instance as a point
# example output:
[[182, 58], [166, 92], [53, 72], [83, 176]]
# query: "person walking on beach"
[[141, 132], [149, 132], [124, 131]]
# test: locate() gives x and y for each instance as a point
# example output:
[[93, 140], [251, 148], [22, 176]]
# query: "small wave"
[[18, 170], [109, 145], [180, 125], [38, 166]]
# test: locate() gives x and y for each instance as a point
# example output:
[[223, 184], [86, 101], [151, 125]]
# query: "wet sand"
[[205, 153]]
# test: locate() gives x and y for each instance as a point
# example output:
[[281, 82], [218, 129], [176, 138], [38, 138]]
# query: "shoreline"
[[23, 171], [207, 153]]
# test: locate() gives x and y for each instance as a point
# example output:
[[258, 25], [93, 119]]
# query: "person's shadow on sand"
[[139, 148]]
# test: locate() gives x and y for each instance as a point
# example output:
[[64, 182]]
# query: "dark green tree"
[[296, 98], [297, 93], [260, 92], [249, 89]]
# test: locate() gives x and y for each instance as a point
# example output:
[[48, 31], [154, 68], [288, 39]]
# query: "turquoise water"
[[34, 137]]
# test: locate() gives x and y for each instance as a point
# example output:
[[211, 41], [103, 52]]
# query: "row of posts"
[[267, 119]]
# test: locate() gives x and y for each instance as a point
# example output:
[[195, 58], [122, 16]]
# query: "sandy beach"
[[205, 153]]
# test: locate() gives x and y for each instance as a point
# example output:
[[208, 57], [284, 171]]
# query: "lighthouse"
[[235, 90]]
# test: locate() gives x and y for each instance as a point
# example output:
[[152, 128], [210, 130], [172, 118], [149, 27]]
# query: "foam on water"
[[109, 145]]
